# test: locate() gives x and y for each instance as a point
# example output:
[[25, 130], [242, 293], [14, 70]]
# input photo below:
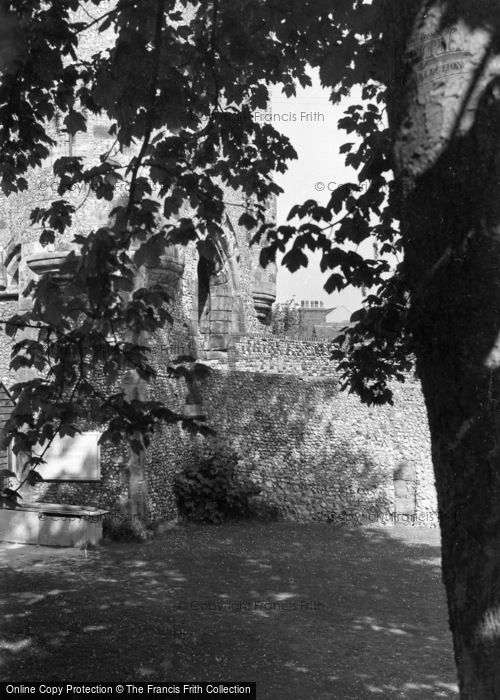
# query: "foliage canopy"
[[181, 137]]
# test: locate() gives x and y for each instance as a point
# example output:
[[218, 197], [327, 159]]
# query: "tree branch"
[[152, 112]]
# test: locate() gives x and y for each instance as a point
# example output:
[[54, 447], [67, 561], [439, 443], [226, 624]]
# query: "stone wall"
[[315, 452], [270, 354], [8, 307]]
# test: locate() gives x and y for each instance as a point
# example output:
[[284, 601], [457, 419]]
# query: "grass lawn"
[[311, 611]]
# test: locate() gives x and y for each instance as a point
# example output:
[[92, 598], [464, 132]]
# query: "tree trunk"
[[137, 504], [445, 114], [137, 484]]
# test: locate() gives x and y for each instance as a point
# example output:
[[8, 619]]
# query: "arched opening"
[[9, 272], [215, 296], [205, 272]]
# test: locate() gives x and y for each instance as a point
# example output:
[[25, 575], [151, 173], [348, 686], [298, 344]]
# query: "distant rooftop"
[[314, 304]]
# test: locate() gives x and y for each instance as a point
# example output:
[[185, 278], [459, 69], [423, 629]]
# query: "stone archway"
[[219, 308]]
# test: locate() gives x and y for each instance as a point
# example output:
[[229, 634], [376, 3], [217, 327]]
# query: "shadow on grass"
[[307, 611]]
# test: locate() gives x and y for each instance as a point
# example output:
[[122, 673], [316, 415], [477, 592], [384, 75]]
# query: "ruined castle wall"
[[8, 307], [282, 355], [315, 452]]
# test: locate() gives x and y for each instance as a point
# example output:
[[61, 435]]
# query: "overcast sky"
[[310, 121]]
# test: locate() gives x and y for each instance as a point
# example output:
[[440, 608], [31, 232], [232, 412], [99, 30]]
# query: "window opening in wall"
[[205, 271], [9, 267]]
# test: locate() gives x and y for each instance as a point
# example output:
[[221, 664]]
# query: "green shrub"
[[121, 528], [267, 508], [211, 492]]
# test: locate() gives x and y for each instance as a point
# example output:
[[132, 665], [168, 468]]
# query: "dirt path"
[[307, 611]]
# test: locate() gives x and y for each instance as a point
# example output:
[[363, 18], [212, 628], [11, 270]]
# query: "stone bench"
[[52, 524]]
